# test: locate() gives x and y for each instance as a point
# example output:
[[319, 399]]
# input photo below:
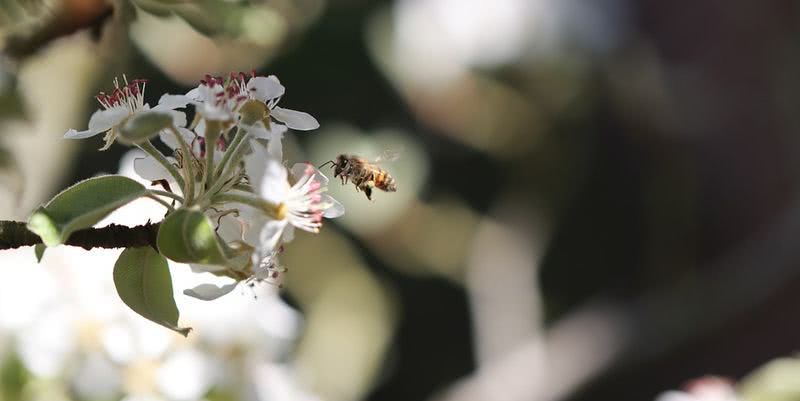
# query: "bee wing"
[[389, 155]]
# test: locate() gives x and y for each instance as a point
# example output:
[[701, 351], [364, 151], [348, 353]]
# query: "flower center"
[[130, 95]]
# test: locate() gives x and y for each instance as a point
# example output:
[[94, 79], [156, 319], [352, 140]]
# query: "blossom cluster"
[[227, 163]]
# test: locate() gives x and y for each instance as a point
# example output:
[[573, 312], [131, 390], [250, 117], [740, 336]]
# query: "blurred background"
[[597, 200]]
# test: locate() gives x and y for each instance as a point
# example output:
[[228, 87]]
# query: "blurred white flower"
[[704, 389], [122, 103]]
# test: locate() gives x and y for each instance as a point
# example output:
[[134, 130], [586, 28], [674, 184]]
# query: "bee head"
[[341, 164]]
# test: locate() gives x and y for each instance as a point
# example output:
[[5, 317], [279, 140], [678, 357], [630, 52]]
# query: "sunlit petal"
[[335, 209], [149, 169], [208, 292], [265, 88], [294, 119], [270, 235], [104, 120]]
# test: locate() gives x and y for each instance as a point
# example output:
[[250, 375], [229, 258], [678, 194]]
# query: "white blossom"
[[122, 103], [220, 100], [304, 200]]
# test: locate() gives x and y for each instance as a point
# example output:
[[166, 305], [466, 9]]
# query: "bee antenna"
[[326, 163]]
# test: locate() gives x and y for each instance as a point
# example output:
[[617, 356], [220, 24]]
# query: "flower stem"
[[151, 150], [161, 201], [167, 194], [269, 208], [227, 166], [213, 130], [188, 165], [234, 147]]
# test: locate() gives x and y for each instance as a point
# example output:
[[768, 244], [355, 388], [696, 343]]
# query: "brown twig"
[[14, 234]]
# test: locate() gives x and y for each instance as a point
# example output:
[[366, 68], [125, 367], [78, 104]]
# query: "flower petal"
[[288, 234], [178, 118], [301, 169], [275, 145], [172, 102], [200, 268], [265, 88], [294, 119], [104, 120], [257, 130], [73, 134], [273, 185], [169, 138], [270, 234], [208, 292], [196, 94], [335, 209], [151, 170], [213, 112]]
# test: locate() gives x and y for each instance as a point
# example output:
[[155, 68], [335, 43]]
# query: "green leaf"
[[81, 206], [144, 283], [143, 126], [39, 250], [188, 236]]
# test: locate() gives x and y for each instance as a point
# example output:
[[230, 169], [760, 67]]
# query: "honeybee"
[[364, 174]]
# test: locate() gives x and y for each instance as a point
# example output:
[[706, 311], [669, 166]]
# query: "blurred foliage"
[[13, 377], [778, 380]]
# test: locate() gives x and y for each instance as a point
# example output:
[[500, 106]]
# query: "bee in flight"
[[364, 174]]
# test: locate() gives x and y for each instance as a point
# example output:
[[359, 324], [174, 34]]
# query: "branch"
[[14, 234]]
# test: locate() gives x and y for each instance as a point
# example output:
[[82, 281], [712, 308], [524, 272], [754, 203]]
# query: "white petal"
[[335, 209], [168, 137], [73, 134], [299, 170], [208, 292], [196, 94], [199, 268], [214, 113], [265, 88], [295, 119], [104, 120], [271, 233], [275, 148], [673, 395], [275, 145], [172, 102], [255, 163], [178, 118], [257, 130], [229, 228], [273, 186], [288, 233], [149, 169]]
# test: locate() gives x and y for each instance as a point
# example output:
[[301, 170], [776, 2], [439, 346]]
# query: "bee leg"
[[368, 192]]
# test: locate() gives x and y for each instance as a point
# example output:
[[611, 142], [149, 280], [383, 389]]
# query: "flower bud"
[[142, 126]]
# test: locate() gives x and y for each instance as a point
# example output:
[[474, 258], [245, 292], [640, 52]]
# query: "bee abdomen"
[[389, 184]]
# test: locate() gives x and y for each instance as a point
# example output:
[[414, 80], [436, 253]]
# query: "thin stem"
[[233, 154], [213, 130], [151, 150], [269, 208], [167, 194], [188, 165], [161, 201], [234, 146]]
